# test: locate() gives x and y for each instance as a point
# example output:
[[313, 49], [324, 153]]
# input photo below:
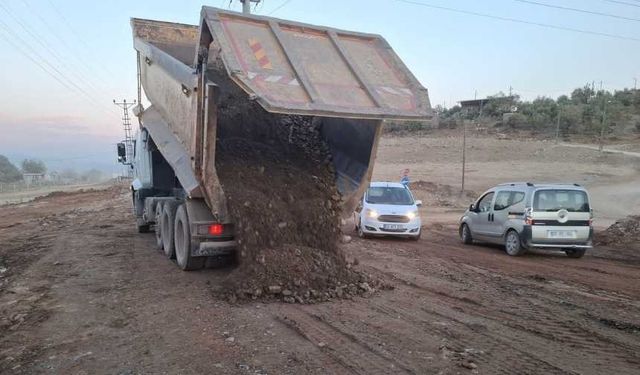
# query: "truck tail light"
[[215, 229]]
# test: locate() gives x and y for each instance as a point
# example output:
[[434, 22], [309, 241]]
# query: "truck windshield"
[[555, 200], [389, 195]]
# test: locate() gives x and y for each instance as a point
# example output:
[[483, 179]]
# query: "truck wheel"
[[158, 218], [168, 217], [465, 234], [575, 253], [142, 226], [512, 244], [183, 242]]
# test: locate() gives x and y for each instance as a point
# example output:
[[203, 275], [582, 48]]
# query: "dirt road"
[[82, 293]]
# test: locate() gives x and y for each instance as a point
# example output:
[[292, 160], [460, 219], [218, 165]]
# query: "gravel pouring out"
[[279, 182]]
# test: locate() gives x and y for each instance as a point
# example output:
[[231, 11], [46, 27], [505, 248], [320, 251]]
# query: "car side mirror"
[[419, 203], [472, 207], [122, 153]]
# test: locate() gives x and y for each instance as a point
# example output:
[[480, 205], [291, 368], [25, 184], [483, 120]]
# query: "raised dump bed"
[[341, 83]]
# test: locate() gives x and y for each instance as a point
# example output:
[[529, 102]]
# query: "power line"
[[77, 35], [516, 20], [578, 10], [53, 31], [279, 7], [622, 2], [50, 70], [42, 43]]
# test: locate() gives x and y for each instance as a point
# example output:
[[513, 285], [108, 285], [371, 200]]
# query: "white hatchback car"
[[388, 209]]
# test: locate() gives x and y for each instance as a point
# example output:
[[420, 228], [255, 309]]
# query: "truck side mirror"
[[122, 153]]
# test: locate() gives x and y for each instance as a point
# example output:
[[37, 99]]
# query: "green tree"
[[33, 166], [8, 171]]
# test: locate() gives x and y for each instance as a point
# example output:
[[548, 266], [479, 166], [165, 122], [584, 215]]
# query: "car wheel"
[[417, 237], [512, 244], [465, 234], [361, 233], [575, 253]]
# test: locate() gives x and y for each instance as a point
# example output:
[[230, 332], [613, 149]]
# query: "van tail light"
[[215, 229], [528, 216]]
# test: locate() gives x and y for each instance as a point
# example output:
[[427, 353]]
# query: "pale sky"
[[71, 121]]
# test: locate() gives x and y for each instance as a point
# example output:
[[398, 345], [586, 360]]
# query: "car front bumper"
[[375, 227]]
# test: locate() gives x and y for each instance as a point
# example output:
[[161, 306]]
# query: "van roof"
[[386, 184], [543, 185]]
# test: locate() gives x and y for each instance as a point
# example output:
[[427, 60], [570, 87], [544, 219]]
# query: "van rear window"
[[555, 200]]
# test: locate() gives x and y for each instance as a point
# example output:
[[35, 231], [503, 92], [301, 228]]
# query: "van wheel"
[[158, 219], [575, 253], [183, 242], [512, 244], [465, 234], [168, 218]]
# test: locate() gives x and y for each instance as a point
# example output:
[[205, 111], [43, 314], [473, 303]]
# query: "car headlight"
[[412, 215], [371, 213]]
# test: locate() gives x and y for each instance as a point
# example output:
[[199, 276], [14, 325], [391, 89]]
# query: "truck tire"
[[183, 242], [512, 244], [158, 218], [138, 206], [142, 226], [168, 217]]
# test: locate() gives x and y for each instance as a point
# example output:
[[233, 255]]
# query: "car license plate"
[[392, 226], [561, 234]]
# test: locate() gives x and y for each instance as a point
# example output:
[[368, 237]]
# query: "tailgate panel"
[[305, 69]]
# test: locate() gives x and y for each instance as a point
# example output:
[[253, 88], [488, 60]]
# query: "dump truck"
[[348, 82]]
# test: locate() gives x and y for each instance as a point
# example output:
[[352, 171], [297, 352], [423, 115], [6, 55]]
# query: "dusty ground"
[[82, 293], [613, 179]]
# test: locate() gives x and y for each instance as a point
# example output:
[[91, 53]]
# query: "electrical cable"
[[578, 10], [279, 7], [516, 20]]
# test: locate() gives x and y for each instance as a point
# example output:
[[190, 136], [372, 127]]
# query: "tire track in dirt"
[[538, 319], [350, 352]]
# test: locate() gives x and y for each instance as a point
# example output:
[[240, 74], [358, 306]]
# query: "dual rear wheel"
[[173, 235]]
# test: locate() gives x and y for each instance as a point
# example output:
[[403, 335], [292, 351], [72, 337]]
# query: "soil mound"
[[442, 195], [622, 232], [277, 175]]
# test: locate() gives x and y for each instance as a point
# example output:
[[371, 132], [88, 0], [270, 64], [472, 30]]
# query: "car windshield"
[[555, 200], [389, 195]]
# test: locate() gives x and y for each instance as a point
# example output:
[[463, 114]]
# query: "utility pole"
[[558, 124], [603, 125], [246, 5], [126, 123], [464, 153]]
